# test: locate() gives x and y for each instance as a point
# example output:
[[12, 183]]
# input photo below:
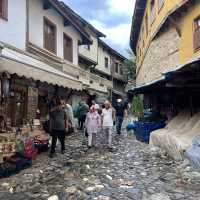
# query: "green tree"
[[137, 106], [129, 69]]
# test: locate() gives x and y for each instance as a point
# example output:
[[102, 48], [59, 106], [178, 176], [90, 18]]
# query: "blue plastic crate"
[[144, 129]]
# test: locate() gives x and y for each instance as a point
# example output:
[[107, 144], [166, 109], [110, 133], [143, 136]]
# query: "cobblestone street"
[[132, 171]]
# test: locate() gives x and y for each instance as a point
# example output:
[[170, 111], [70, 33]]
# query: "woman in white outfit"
[[108, 114]]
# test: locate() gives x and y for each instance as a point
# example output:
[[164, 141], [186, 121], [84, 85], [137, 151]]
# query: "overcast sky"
[[112, 17]]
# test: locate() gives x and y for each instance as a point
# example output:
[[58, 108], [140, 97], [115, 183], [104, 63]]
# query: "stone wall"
[[162, 55]]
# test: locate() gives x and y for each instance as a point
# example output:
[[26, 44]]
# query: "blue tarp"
[[142, 130]]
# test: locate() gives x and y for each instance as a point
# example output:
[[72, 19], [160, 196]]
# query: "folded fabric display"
[[178, 138], [20, 162]]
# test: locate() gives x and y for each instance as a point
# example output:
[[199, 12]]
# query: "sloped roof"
[[82, 21], [138, 14], [58, 6], [111, 50]]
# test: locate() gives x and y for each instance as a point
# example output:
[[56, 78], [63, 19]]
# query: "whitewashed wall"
[[13, 31], [101, 61], [93, 52], [36, 16]]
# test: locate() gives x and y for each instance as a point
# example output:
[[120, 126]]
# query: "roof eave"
[[113, 51], [84, 35], [138, 14]]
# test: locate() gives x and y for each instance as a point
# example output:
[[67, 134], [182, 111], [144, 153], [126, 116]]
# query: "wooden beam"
[[176, 25]]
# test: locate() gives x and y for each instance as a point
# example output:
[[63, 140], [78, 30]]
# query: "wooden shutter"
[[4, 9], [68, 48], [49, 36], [197, 34]]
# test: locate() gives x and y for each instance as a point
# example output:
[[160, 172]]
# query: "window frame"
[[117, 67], [49, 22], [4, 11], [106, 62], [196, 21], [68, 37], [121, 70]]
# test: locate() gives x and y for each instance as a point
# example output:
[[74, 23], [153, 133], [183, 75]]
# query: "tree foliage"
[[129, 69], [137, 106]]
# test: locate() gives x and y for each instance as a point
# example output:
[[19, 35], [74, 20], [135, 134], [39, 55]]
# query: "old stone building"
[[165, 35]]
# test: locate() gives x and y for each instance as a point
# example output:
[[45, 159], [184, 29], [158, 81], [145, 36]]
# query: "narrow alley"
[[133, 170]]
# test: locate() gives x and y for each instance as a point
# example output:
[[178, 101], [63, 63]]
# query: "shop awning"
[[23, 65], [187, 67], [148, 86]]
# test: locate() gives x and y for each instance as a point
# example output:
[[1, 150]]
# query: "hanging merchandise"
[[29, 149], [5, 85]]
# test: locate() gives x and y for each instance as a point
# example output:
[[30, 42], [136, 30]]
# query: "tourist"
[[97, 107], [58, 126], [92, 124], [108, 114], [83, 110], [121, 111], [70, 115]]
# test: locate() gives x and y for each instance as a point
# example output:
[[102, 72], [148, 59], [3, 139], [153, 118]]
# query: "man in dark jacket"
[[58, 126], [121, 112], [83, 110]]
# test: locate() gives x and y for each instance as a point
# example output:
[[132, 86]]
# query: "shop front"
[[27, 87]]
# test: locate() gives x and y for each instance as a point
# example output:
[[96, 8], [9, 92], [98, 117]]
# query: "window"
[[49, 36], [160, 3], [121, 69], [116, 67], [152, 7], [106, 62], [4, 9], [197, 33], [68, 48]]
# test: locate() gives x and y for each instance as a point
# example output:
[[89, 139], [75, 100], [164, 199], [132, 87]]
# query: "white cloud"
[[121, 6], [117, 35]]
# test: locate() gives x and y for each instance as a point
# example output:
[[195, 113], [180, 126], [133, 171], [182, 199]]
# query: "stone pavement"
[[132, 171]]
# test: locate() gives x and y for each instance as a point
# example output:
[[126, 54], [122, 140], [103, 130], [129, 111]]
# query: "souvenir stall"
[[21, 134]]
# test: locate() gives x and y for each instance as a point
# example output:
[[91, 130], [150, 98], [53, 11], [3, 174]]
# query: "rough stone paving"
[[132, 171]]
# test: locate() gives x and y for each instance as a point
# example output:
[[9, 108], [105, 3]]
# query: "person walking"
[[121, 112], [83, 110], [70, 115], [108, 114], [92, 124], [58, 126]]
